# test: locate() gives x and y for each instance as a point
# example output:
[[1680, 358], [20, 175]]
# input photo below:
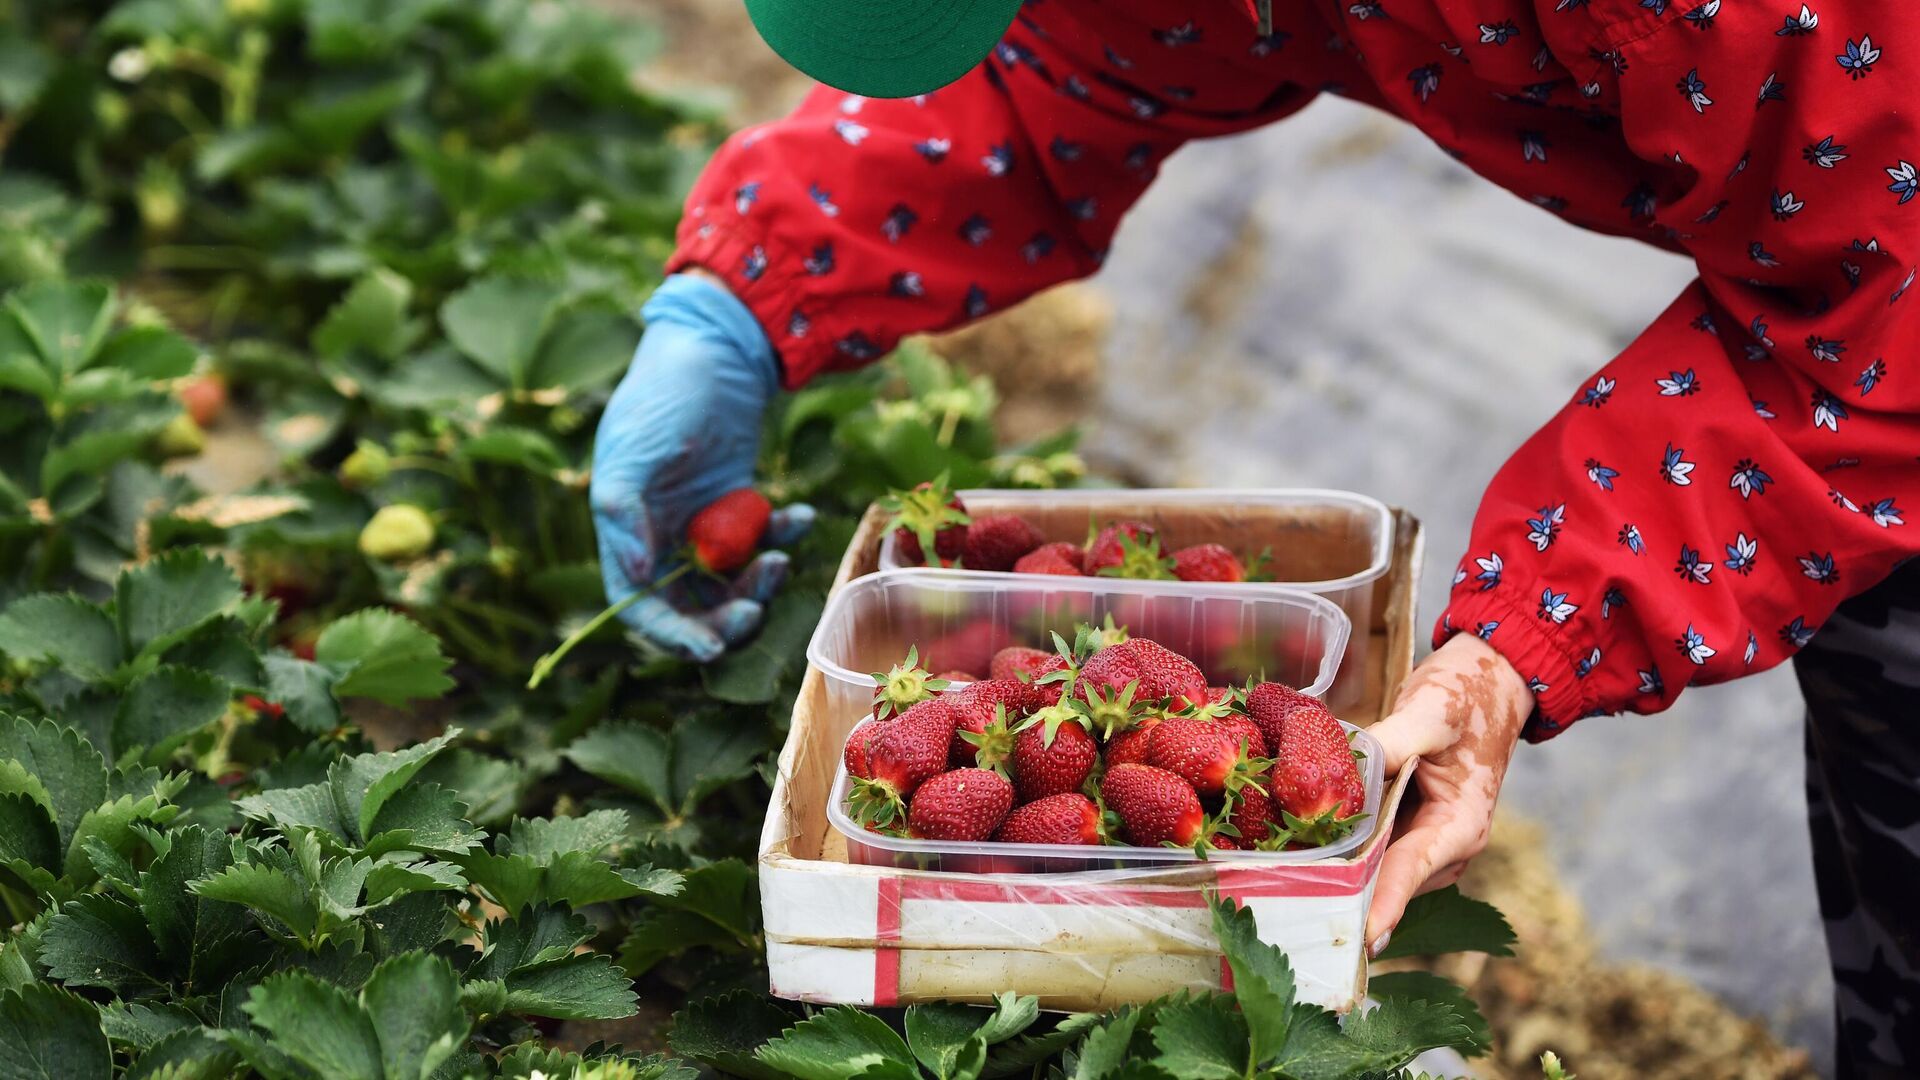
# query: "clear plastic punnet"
[[983, 857], [1336, 544]]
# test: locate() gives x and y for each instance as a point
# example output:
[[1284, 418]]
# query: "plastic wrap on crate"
[[1336, 544]]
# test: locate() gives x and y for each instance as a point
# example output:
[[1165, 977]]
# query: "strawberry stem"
[[545, 665]]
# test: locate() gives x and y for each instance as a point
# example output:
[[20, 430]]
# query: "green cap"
[[883, 48]]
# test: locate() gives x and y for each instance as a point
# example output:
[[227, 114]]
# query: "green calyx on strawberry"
[[1050, 719], [900, 755], [932, 516], [903, 686], [993, 745], [1140, 560], [1318, 831], [1111, 712]]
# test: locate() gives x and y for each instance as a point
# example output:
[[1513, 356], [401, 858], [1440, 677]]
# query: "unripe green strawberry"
[[726, 531], [397, 533], [368, 465], [180, 438], [964, 804]]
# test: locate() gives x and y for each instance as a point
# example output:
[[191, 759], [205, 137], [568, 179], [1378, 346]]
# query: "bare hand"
[[1460, 712]]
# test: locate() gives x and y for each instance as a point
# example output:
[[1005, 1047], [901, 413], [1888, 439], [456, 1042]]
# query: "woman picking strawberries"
[[1731, 483]]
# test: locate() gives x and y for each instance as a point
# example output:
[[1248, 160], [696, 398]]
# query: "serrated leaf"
[[751, 674], [1400, 1030], [498, 323], [1012, 1014], [267, 889], [308, 807], [136, 1026], [150, 353], [64, 629], [390, 881], [162, 600], [317, 1024], [49, 1034], [724, 1032], [422, 817], [582, 987], [56, 766], [64, 319], [1317, 1050], [1262, 978], [101, 940], [362, 784], [1201, 1039], [372, 317], [305, 690], [166, 707], [184, 1055], [659, 932], [1106, 1047], [1022, 1055], [539, 936], [414, 1001], [543, 839], [1445, 921], [521, 448], [577, 879], [836, 1044], [676, 771], [1426, 986], [631, 754], [380, 654], [113, 824], [27, 832], [585, 349], [941, 1034], [221, 649]]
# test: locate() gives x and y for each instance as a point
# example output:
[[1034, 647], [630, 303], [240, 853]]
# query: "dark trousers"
[[1861, 678]]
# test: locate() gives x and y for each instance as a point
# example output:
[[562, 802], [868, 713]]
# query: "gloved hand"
[[683, 429]]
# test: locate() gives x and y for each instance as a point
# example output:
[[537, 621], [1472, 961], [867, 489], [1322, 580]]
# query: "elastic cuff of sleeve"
[[1535, 648], [773, 296]]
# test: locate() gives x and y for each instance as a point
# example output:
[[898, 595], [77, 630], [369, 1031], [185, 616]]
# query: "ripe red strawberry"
[[1270, 703], [1252, 816], [1130, 747], [1240, 727], [272, 710], [1224, 842], [1066, 818], [1016, 660], [965, 804], [725, 531], [1316, 783], [932, 510], [1203, 752], [1106, 549], [968, 648], [974, 709], [1154, 806], [1060, 559], [855, 754], [951, 677], [1161, 672], [1053, 754], [1207, 562], [997, 541], [901, 755]]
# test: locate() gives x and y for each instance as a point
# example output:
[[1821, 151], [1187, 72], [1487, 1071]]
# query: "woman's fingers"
[[1413, 730], [1430, 856]]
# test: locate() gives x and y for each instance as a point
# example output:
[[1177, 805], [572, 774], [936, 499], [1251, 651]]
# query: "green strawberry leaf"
[[161, 601], [149, 353], [581, 987], [65, 320], [65, 629], [751, 674], [379, 654], [184, 1055], [422, 817], [166, 707], [362, 784], [629, 753], [1447, 921], [1201, 1039], [310, 806], [204, 941], [54, 765], [389, 881], [674, 771], [1012, 1014], [49, 1034], [317, 1024], [1019, 1057], [544, 839], [414, 1001], [1106, 1047], [305, 690], [27, 832], [717, 906], [136, 1026], [371, 317], [271, 890], [1316, 1049], [498, 323], [1400, 1030], [585, 349], [660, 932], [539, 936], [101, 940], [945, 1037], [837, 1044], [1262, 978], [1426, 986], [723, 1032]]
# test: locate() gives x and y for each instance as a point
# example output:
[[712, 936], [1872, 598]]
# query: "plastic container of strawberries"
[[1335, 544], [866, 848], [958, 619]]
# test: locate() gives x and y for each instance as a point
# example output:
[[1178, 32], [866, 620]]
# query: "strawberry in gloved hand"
[[681, 431]]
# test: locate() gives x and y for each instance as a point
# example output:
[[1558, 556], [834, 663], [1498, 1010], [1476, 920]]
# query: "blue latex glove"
[[683, 429]]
